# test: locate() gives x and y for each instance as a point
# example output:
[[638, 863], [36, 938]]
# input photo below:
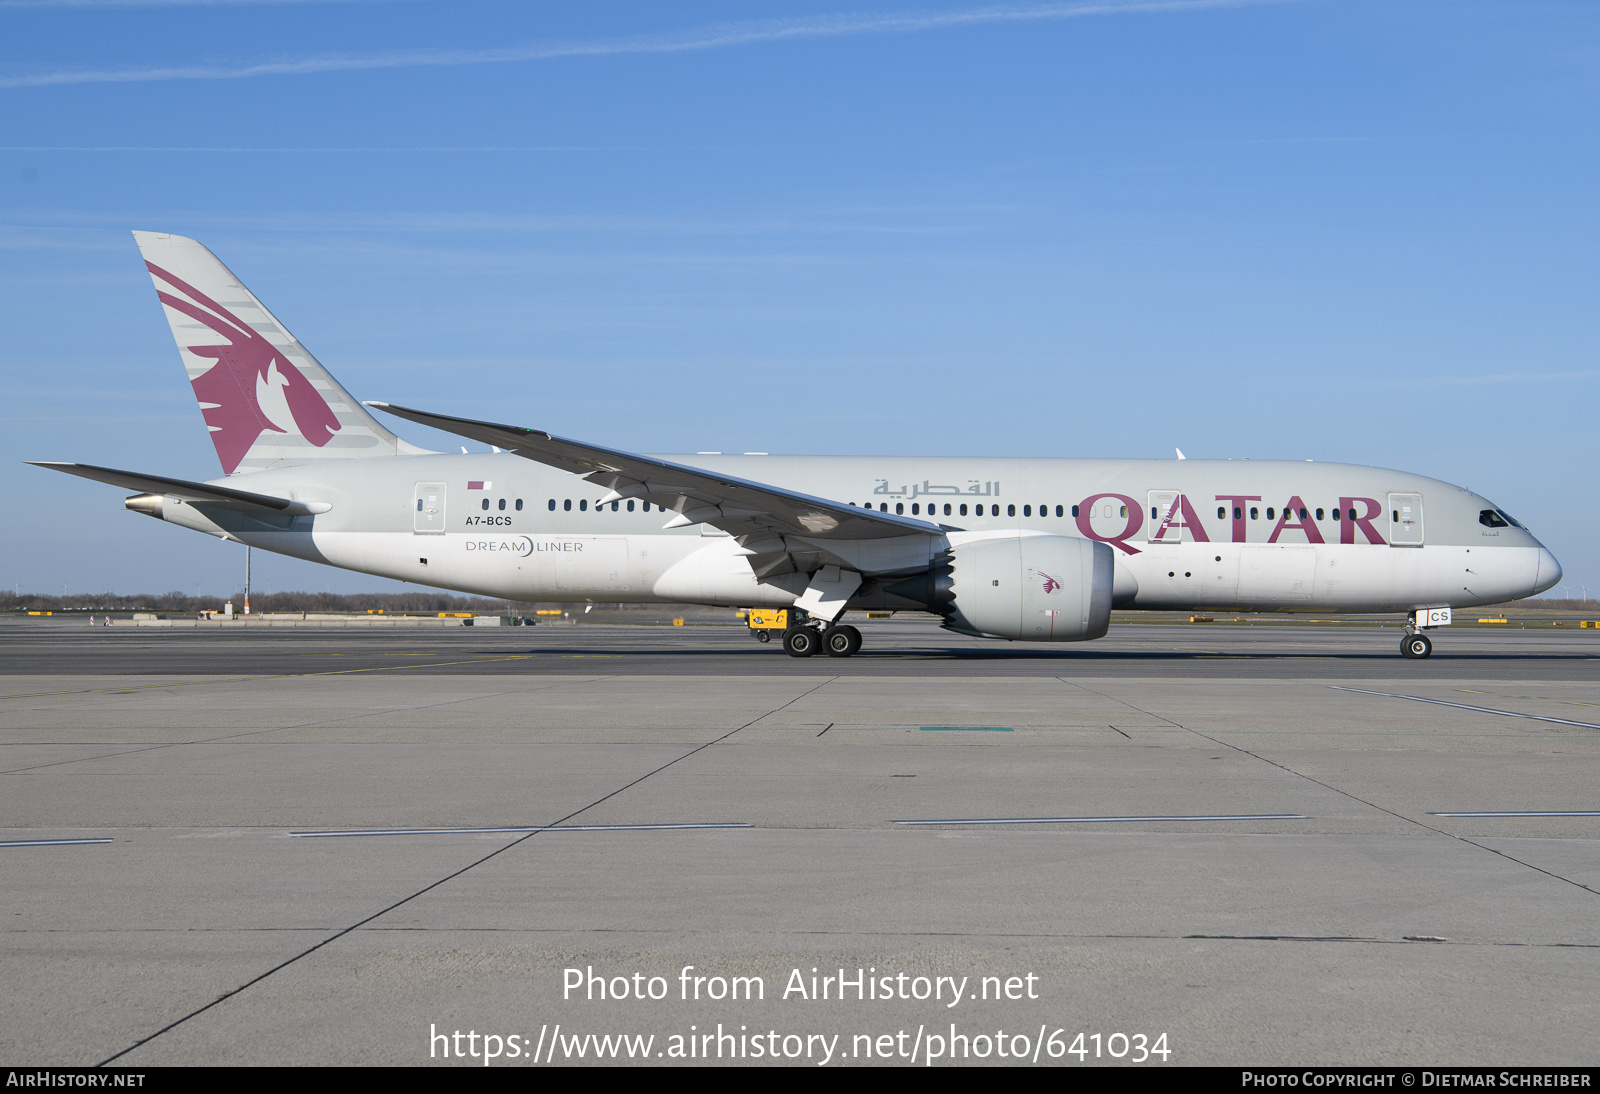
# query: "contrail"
[[36, 5], [717, 36]]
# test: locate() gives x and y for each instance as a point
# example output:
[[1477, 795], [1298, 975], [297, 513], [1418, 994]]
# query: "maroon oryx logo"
[[1050, 583], [252, 389]]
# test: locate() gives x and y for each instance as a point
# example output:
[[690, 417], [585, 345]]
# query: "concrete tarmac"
[[1233, 847], [891, 648]]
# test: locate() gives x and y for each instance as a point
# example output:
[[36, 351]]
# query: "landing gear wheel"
[[841, 641], [801, 641], [1415, 646], [763, 636]]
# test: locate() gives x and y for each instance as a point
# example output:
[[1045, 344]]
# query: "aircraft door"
[[1166, 517], [1405, 520], [428, 513]]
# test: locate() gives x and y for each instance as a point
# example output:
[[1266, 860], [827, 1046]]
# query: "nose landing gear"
[[1415, 646]]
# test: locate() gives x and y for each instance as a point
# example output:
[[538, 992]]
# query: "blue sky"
[[1352, 231]]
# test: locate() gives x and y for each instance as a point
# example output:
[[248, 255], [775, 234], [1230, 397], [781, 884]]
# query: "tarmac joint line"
[[448, 877]]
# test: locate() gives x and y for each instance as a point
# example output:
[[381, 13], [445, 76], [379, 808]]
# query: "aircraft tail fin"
[[265, 399]]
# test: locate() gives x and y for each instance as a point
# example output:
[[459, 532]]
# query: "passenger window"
[[502, 505], [646, 507], [552, 505], [1303, 513], [615, 506], [1011, 510], [947, 509], [883, 507], [1222, 512], [1255, 514], [519, 505], [630, 506], [1238, 514], [914, 510], [583, 505], [1123, 511], [899, 508], [419, 507], [486, 503], [1058, 511], [1336, 514], [1074, 510], [963, 508], [1352, 513], [1269, 512], [1027, 510]]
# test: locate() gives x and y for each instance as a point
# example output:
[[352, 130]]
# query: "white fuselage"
[[1186, 534]]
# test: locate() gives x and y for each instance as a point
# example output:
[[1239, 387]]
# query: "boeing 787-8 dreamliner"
[[1036, 550]]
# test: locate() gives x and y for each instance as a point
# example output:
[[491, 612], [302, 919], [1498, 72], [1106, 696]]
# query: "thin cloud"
[[718, 36], [1495, 378], [65, 232], [9, 5], [420, 148]]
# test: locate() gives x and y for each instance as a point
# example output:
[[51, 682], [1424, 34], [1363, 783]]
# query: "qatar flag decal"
[[479, 484]]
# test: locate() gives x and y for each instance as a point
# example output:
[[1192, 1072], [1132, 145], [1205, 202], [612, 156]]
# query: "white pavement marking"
[[1111, 820], [1529, 813], [530, 829], [1465, 706]]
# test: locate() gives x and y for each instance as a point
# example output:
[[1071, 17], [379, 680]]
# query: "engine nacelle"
[[1032, 586]]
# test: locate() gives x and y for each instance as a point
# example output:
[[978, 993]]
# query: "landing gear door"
[[1166, 517], [1405, 520], [428, 512]]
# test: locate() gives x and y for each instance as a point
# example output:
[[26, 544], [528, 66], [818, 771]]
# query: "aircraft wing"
[[759, 515], [182, 488]]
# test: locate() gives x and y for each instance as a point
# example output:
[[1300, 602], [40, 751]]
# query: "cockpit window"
[[1491, 519]]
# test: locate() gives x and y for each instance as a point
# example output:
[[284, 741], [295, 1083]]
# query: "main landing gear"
[[804, 641]]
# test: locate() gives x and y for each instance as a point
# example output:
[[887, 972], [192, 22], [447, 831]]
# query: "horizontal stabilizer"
[[188, 491]]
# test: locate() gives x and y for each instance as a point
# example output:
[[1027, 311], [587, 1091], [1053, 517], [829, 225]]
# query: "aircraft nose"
[[1549, 572]]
